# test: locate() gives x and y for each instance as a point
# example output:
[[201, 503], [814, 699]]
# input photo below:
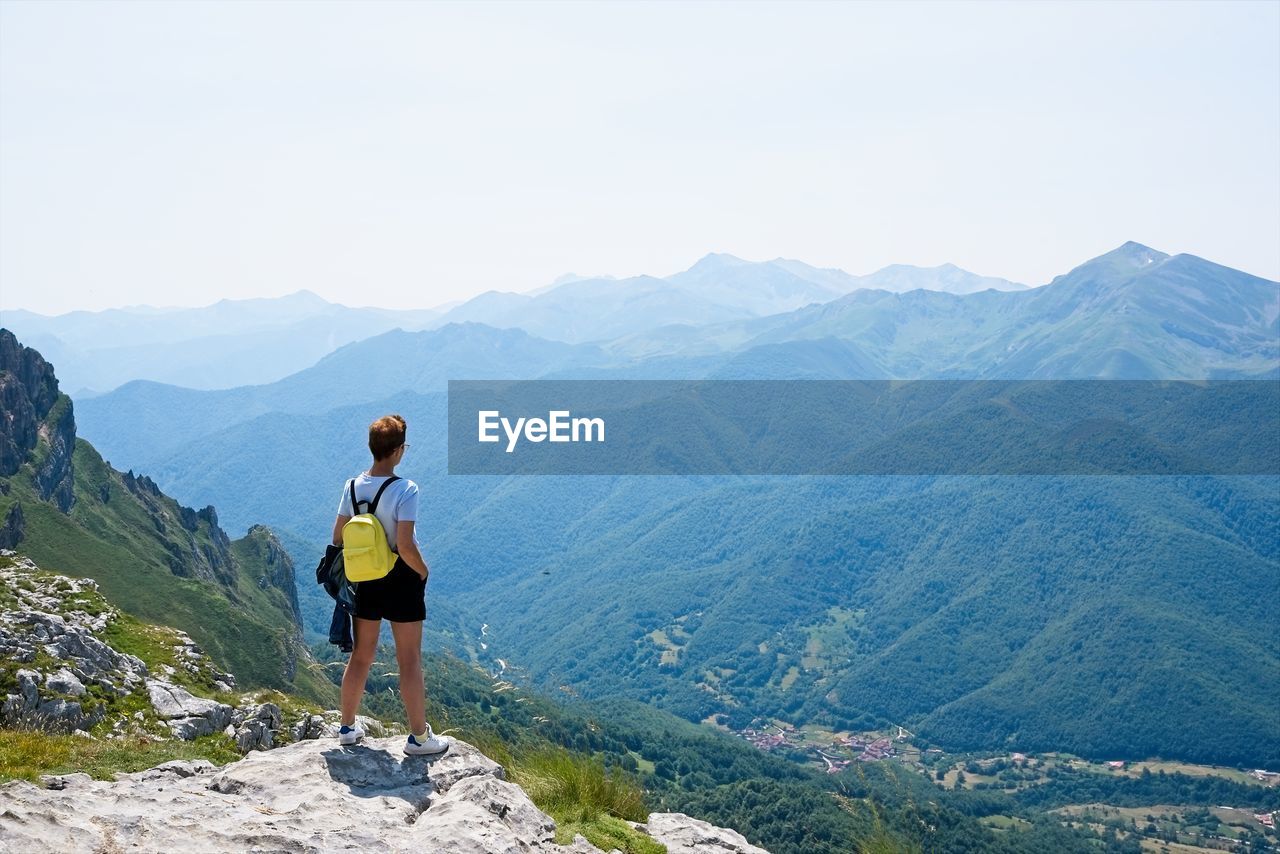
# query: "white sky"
[[411, 154]]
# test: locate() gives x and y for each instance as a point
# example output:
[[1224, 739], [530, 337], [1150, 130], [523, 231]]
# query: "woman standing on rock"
[[398, 597]]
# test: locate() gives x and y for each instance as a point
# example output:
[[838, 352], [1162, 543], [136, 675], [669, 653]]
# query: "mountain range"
[[979, 612], [1133, 313], [254, 341], [229, 343]]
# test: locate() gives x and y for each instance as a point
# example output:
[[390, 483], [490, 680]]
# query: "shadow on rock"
[[372, 773]]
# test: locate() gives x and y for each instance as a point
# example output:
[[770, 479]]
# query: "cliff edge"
[[312, 796]]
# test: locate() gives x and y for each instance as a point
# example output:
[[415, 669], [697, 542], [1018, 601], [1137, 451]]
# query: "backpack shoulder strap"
[[355, 507], [373, 507]]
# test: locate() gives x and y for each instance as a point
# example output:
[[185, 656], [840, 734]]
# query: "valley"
[[979, 646]]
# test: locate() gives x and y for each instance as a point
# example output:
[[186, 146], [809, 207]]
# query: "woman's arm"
[[337, 528], [407, 546]]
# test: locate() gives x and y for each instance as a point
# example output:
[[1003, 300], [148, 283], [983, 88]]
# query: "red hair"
[[385, 435]]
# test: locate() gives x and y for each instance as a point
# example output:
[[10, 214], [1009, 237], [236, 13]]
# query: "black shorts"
[[400, 596]]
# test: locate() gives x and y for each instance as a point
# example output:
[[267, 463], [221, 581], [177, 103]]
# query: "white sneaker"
[[428, 744], [350, 734]]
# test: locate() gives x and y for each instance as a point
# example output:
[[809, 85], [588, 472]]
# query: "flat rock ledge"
[[311, 796]]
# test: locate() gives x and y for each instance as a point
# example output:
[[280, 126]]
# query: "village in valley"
[[834, 751], [1169, 828]]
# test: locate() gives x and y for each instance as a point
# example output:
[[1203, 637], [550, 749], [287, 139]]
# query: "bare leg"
[[353, 678], [408, 638]]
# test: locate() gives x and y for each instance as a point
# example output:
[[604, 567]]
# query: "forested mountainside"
[[1012, 612], [63, 505]]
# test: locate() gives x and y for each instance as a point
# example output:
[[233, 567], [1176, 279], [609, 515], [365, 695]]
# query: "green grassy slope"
[[168, 564]]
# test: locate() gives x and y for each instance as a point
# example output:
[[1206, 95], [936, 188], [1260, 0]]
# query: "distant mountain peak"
[[944, 278], [574, 277], [718, 260], [1134, 253], [304, 295], [301, 297]]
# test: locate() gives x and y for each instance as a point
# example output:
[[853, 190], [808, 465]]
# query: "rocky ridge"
[[313, 796], [296, 790], [35, 416]]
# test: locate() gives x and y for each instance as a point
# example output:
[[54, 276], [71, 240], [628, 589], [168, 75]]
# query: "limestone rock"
[[683, 834], [188, 716], [47, 620], [63, 781], [311, 796], [65, 682], [257, 727]]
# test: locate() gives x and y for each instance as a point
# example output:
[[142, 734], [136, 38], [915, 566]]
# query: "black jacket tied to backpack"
[[331, 574]]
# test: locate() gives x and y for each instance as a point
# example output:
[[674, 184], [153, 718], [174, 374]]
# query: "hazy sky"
[[411, 154]]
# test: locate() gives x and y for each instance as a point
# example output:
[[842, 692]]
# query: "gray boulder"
[[28, 687], [65, 682], [683, 834], [187, 716]]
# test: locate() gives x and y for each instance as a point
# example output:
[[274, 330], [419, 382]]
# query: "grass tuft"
[[26, 754], [561, 782], [584, 798]]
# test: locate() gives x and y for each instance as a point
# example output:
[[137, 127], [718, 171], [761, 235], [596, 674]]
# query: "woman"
[[399, 597]]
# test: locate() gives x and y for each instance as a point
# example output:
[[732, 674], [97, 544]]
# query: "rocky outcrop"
[[37, 424], [188, 716], [28, 391], [194, 545], [312, 796], [13, 528], [59, 674], [685, 835], [37, 446], [53, 477], [63, 676], [63, 673], [306, 797], [277, 566]]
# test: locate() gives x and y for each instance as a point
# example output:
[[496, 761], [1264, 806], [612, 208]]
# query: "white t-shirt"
[[399, 502]]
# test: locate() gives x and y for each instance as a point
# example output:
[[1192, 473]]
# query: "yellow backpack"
[[366, 554]]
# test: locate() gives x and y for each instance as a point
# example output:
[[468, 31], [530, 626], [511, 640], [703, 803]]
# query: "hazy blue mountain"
[[947, 279], [565, 279], [762, 288], [229, 343], [145, 421], [1138, 313], [1133, 313], [1023, 612], [783, 284], [595, 309], [718, 288]]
